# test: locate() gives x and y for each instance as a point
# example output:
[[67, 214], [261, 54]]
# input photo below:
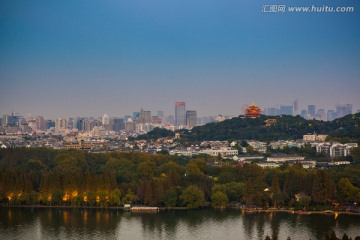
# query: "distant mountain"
[[286, 127]]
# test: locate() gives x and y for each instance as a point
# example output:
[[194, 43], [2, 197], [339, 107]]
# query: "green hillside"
[[286, 127]]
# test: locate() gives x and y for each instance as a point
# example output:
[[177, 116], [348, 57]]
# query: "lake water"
[[195, 224]]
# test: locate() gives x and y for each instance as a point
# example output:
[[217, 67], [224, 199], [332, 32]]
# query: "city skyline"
[[281, 109], [86, 58]]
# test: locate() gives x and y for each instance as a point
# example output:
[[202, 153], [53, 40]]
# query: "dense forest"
[[285, 128], [67, 177]]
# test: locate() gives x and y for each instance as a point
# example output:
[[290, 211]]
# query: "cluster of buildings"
[[234, 150], [311, 112], [335, 149], [111, 134], [144, 121], [138, 123]]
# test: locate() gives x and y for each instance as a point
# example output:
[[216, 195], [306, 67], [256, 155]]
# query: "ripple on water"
[[202, 224]]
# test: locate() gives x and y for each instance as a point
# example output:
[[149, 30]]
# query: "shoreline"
[[243, 210], [299, 212]]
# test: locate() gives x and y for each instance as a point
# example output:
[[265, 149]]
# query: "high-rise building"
[[286, 110], [145, 116], [105, 119], [304, 113], [89, 124], [191, 119], [49, 124], [311, 110], [32, 124], [320, 114], [79, 124], [296, 107], [71, 123], [343, 110], [135, 116], [60, 123], [85, 125], [40, 123], [160, 114], [127, 117], [129, 125], [331, 115], [119, 124], [9, 120], [180, 117], [270, 111]]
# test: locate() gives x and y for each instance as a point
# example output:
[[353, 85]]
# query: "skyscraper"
[[304, 113], [296, 107], [180, 114], [145, 116], [331, 115], [40, 123], [60, 123], [343, 110], [9, 120], [160, 114], [119, 124], [286, 110], [311, 110], [105, 119], [191, 119], [320, 114]]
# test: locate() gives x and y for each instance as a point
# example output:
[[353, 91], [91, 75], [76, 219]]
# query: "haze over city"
[[87, 58]]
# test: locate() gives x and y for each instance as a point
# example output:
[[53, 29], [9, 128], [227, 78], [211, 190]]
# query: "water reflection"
[[197, 224]]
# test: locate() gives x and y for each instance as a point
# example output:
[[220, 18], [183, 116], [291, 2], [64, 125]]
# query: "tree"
[[149, 194], [244, 143], [254, 191], [34, 197], [129, 197], [146, 169], [347, 192], [192, 197], [76, 201], [323, 189], [355, 153], [170, 197], [172, 179], [234, 191], [115, 198], [90, 198], [219, 200], [275, 191], [57, 196]]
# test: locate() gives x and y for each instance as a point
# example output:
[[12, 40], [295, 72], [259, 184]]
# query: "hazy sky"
[[87, 57]]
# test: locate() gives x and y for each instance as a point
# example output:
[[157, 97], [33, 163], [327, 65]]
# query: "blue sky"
[[87, 57]]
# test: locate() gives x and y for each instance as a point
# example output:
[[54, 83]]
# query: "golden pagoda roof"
[[253, 111]]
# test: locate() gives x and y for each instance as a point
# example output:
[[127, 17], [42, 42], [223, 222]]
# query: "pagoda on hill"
[[253, 111]]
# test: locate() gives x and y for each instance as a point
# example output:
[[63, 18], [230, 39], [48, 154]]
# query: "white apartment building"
[[258, 146], [224, 152], [323, 148], [336, 149]]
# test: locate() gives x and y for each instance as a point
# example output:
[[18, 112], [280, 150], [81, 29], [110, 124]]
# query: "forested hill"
[[286, 127]]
